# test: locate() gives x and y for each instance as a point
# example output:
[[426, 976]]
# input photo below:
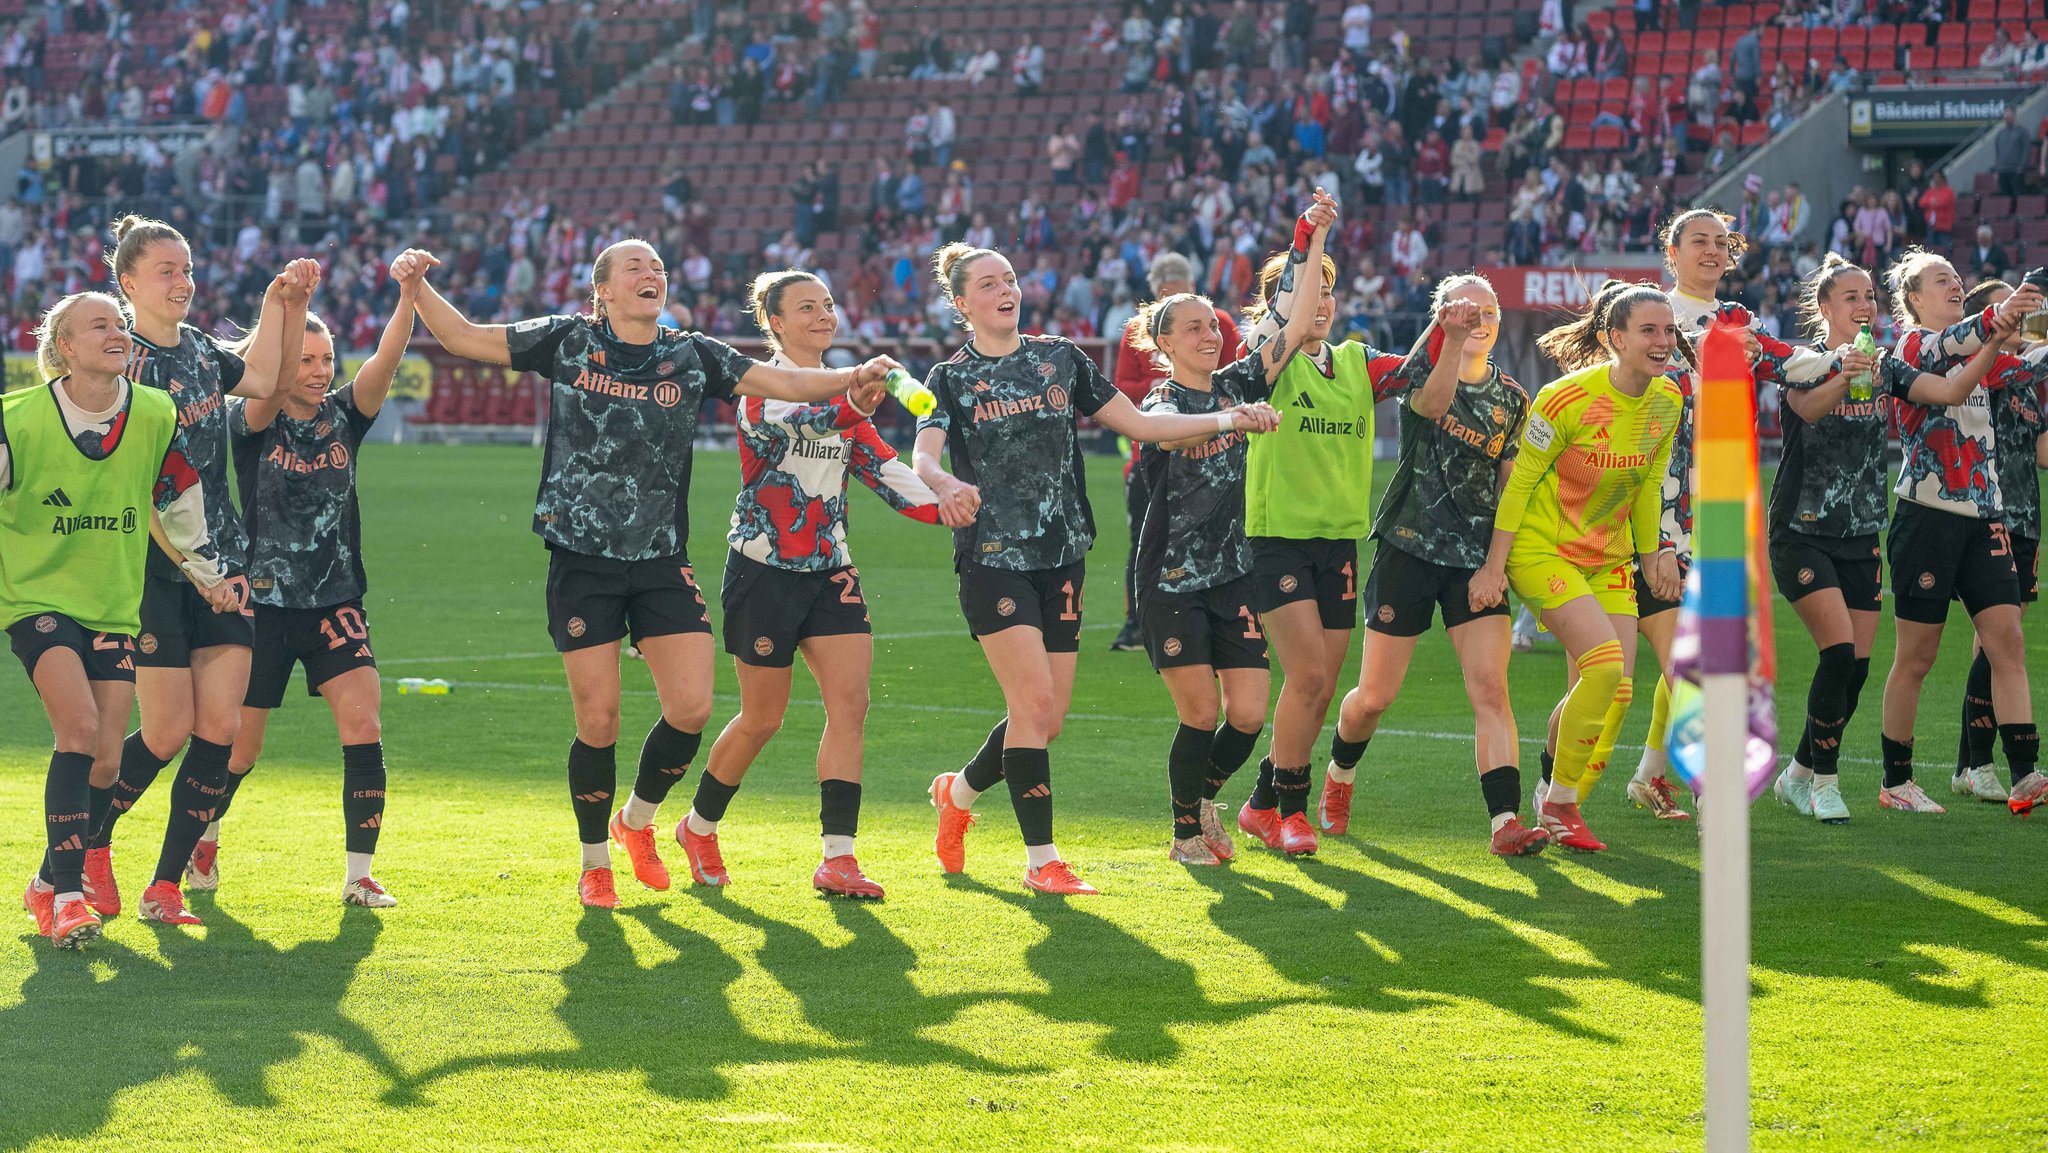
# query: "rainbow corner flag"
[[1724, 622]]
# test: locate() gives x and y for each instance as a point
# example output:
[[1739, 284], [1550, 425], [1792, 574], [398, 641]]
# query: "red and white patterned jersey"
[[794, 464]]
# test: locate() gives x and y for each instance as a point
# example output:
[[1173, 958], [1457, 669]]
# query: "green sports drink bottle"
[[909, 392], [1860, 384]]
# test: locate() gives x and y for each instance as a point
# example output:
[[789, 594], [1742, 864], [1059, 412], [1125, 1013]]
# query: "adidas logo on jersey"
[[57, 499], [1303, 401]]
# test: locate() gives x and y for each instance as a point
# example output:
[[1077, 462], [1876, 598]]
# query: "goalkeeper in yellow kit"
[[1580, 510]]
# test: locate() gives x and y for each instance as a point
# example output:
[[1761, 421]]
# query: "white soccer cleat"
[[1794, 793], [1908, 798], [1826, 802], [1981, 783], [367, 893]]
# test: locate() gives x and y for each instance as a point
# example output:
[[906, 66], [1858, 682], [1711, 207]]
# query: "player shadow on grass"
[[230, 1007], [1388, 949], [1870, 941], [860, 992], [670, 1021], [1097, 973]]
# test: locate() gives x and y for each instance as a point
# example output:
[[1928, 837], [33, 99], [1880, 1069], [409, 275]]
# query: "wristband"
[[865, 413], [1303, 233], [1225, 422]]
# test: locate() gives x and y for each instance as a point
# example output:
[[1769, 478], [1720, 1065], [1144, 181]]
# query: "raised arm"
[[373, 382], [1936, 391], [1457, 323], [1274, 349], [485, 343], [811, 385], [272, 363], [1121, 416], [1288, 297]]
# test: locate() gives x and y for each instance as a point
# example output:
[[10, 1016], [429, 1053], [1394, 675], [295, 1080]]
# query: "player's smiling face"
[[809, 318], [990, 299], [1191, 337], [159, 286], [96, 339], [1938, 302], [1851, 304], [316, 369], [1699, 256], [1480, 343], [1326, 315], [636, 285], [1647, 342]]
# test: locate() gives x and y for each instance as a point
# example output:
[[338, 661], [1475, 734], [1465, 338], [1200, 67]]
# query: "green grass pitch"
[[1401, 991]]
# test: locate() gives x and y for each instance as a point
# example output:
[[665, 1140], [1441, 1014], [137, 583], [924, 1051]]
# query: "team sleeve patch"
[[1539, 433]]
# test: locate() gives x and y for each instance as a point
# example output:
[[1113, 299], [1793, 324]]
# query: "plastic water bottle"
[[419, 687], [411, 686], [1860, 384], [910, 392]]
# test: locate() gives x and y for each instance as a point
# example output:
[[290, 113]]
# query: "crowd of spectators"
[[1194, 157]]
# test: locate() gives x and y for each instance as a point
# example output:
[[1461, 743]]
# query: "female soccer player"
[[88, 449], [790, 586], [1948, 540], [1827, 505], [193, 662], [613, 508], [1308, 498], [295, 457], [1006, 416], [1580, 508], [1460, 425], [1194, 563], [1699, 249], [2017, 424]]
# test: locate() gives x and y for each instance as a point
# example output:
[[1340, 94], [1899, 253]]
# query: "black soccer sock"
[[1187, 770], [838, 808], [1264, 796], [1827, 708], [1898, 762], [196, 791], [1856, 680], [2022, 749], [234, 785], [1549, 761], [1029, 772], [593, 778], [1803, 755], [713, 795], [362, 795], [67, 815], [1292, 787], [1502, 788], [664, 758], [1980, 722], [1228, 752], [986, 768], [102, 803], [139, 768], [1345, 753]]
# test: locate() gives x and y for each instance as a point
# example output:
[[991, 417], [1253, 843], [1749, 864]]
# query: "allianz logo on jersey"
[[1359, 427], [68, 523]]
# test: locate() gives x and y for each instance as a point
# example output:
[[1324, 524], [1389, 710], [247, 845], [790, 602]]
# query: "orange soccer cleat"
[[842, 875], [707, 867], [954, 821], [639, 846], [1056, 877], [595, 889], [164, 904]]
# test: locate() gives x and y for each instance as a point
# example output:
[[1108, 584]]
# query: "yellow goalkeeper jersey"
[[1588, 482]]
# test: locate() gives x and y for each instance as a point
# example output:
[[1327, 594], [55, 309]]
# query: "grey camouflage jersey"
[[1009, 425], [1193, 533], [298, 481], [1439, 507], [198, 374], [622, 421]]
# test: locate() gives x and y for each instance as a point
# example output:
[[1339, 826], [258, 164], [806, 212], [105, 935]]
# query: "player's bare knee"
[[1489, 697], [597, 725], [77, 734], [847, 707], [758, 725], [1248, 717], [359, 730]]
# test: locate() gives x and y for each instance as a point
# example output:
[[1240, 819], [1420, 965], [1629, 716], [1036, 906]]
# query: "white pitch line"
[[964, 710]]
